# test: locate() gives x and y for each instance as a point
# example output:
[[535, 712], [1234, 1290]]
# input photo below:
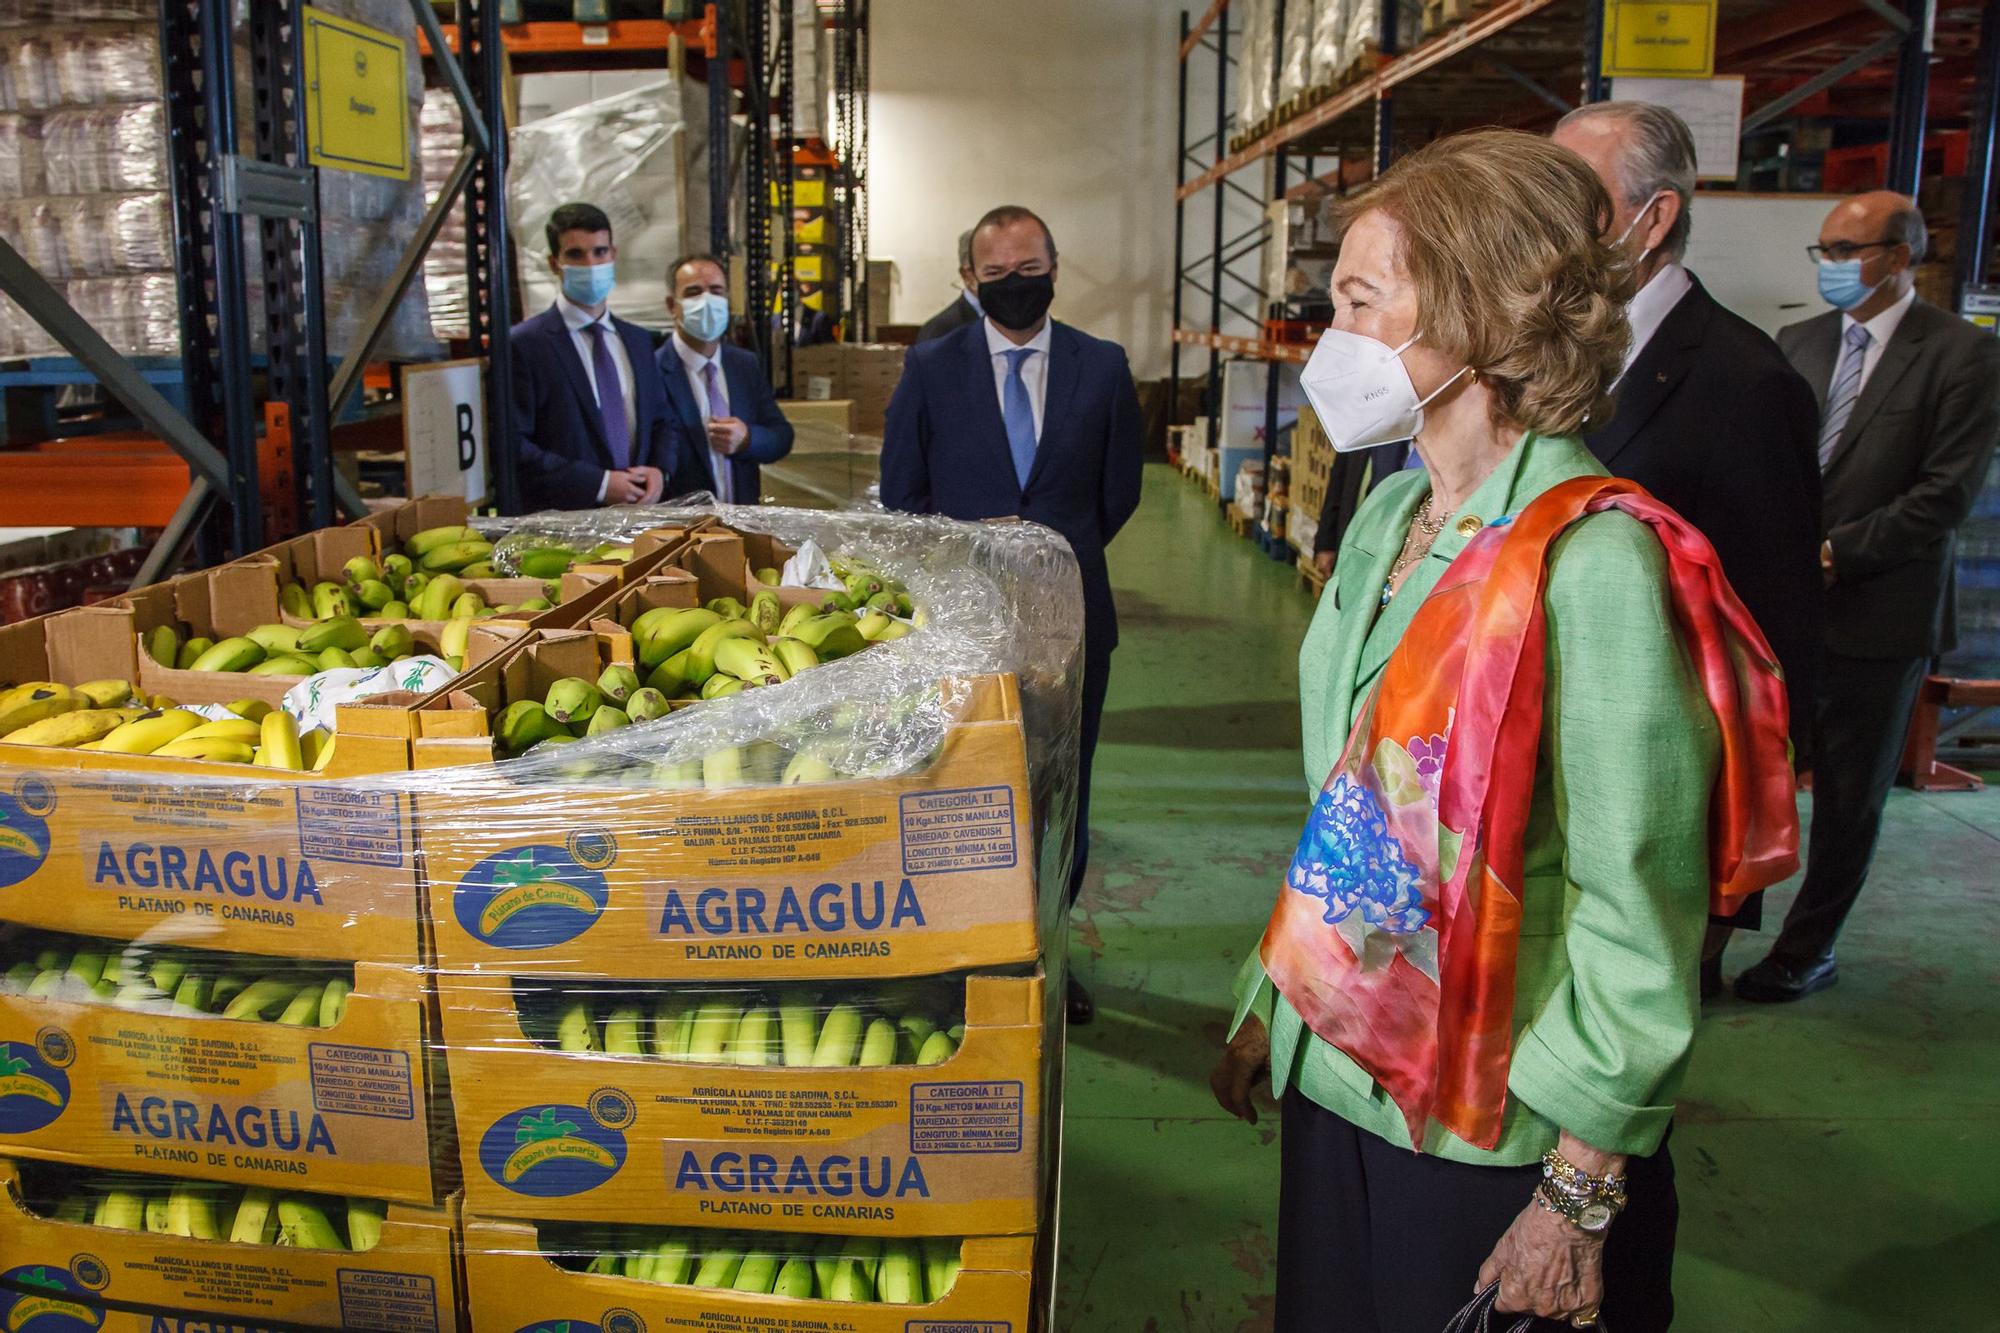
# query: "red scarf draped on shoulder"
[[1396, 931]]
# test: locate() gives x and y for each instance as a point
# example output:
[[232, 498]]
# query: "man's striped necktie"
[[1846, 388]]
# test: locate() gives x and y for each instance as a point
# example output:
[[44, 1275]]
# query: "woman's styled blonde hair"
[[1503, 239]]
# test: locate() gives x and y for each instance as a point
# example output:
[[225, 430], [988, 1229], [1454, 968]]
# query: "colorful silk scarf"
[[1396, 930]]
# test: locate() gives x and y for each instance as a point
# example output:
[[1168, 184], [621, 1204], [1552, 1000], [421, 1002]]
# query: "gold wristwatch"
[[1589, 1203]]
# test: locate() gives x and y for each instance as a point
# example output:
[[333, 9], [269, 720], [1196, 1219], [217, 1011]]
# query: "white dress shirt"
[[1880, 330], [1034, 370], [577, 319], [1650, 308], [692, 362]]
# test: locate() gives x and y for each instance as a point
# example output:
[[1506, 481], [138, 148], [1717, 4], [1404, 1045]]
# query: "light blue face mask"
[[1840, 284], [705, 318], [588, 284]]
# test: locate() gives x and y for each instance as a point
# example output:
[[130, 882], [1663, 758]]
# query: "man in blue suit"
[[723, 411], [1019, 415], [590, 413]]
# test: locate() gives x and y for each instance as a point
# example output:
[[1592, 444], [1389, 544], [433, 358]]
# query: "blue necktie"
[[1844, 393], [610, 397], [1019, 413]]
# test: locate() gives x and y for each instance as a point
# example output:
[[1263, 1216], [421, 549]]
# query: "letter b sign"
[[444, 429]]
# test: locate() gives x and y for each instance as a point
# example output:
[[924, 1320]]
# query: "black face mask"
[[1019, 300]]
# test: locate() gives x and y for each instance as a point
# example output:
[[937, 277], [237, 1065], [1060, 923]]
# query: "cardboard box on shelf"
[[340, 1110], [819, 427], [511, 1283], [865, 372], [70, 1274], [947, 1149]]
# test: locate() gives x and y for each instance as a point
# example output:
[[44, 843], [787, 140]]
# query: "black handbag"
[[1477, 1317]]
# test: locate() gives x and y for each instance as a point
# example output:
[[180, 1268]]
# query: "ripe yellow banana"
[[278, 737], [214, 748], [150, 731], [77, 727], [44, 700], [113, 693], [227, 729]]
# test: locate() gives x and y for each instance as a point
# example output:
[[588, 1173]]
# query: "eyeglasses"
[[1841, 251]]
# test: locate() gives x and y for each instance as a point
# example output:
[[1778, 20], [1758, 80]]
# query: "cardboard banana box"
[[454, 725], [344, 1109], [513, 1287], [76, 1276], [950, 1148], [924, 872], [220, 855]]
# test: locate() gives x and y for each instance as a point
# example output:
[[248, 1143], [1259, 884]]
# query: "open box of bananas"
[[83, 1249], [549, 1277], [225, 1064], [867, 1107]]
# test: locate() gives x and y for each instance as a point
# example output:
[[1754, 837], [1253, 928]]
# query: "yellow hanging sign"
[[1659, 39], [357, 96]]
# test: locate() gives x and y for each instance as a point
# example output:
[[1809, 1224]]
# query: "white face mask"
[[1361, 391], [1623, 236]]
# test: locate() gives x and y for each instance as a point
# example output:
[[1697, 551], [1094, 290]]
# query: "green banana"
[[729, 608], [275, 638], [721, 686], [832, 636], [618, 683], [525, 723], [303, 1011], [262, 998], [622, 1028], [878, 1048], [798, 1025], [438, 595], [673, 1261], [752, 1044], [393, 641], [163, 645], [256, 1217], [192, 996], [826, 1262], [191, 1211], [364, 1224], [794, 655], [937, 1048], [373, 594], [807, 768], [722, 769], [340, 631], [336, 659], [715, 1022], [795, 1280], [608, 717], [454, 556], [758, 1274], [900, 1280], [660, 633], [573, 700], [941, 1264], [766, 611], [647, 705], [303, 1224], [850, 1281], [839, 1038], [333, 1002], [121, 1209], [330, 601], [157, 1221], [191, 651], [719, 1268], [234, 654], [418, 545], [667, 1041], [576, 1030], [701, 653], [748, 661], [86, 967], [795, 617]]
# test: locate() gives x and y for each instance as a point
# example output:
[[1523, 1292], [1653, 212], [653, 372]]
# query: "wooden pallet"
[[1238, 522], [1309, 578]]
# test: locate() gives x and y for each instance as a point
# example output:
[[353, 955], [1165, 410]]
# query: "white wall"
[[1064, 106]]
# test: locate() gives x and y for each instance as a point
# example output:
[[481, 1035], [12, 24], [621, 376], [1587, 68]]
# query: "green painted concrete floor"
[[1837, 1158]]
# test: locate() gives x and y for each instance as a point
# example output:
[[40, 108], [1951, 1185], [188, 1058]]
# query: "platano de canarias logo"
[[551, 1151], [24, 829], [47, 1300], [33, 1092], [536, 896]]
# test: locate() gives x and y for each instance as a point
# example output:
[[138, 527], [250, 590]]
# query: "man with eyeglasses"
[[1909, 414]]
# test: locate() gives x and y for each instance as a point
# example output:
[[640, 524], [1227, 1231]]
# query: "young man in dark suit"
[[589, 412], [718, 398], [1711, 418], [1910, 412], [1020, 415], [964, 309]]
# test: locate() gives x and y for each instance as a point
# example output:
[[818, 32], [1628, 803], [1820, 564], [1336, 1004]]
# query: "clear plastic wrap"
[[106, 234], [1257, 89], [120, 149], [20, 156], [110, 64], [1329, 42], [441, 135], [1295, 50], [531, 1019], [637, 155]]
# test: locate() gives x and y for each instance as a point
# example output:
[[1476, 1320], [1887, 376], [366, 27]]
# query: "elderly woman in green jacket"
[[1543, 738]]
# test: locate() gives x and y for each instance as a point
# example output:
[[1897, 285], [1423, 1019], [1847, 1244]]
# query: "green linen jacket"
[[1616, 889]]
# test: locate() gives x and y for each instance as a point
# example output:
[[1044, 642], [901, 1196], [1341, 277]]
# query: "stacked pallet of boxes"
[[220, 1088], [1312, 469], [866, 373], [745, 1009]]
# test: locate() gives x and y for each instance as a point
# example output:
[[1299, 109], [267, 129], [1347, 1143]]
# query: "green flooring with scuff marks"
[[1837, 1158]]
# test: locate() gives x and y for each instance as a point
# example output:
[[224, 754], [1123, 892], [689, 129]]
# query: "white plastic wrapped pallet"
[[1253, 44], [1329, 41], [1295, 45]]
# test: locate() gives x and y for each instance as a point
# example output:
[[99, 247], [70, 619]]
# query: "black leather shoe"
[[1082, 1009], [1775, 981], [1711, 978]]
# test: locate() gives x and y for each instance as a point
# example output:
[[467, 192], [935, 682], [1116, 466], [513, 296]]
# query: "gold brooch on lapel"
[[1469, 525]]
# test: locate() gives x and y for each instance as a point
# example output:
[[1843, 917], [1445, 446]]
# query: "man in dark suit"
[[1019, 415], [1711, 418], [591, 430], [963, 311], [1910, 412], [717, 395], [1353, 478]]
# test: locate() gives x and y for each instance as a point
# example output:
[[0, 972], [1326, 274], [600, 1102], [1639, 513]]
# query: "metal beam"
[[1191, 35], [1975, 218], [1509, 72], [1821, 81], [174, 538], [1913, 85], [1889, 14], [19, 280], [468, 108], [1180, 213], [376, 323]]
